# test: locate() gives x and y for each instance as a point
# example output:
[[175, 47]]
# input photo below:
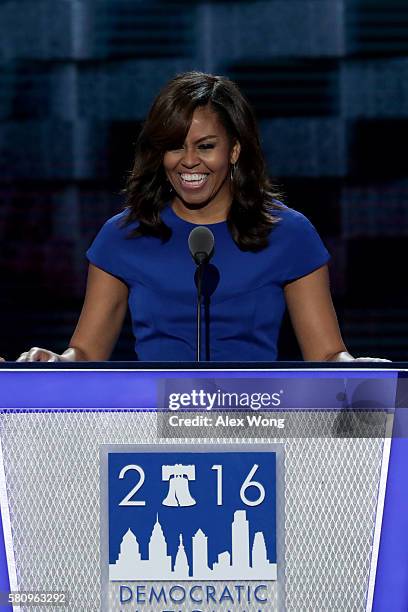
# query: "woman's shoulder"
[[118, 225], [110, 248], [287, 217], [297, 239], [111, 241], [119, 220]]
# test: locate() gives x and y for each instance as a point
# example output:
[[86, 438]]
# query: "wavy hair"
[[147, 190]]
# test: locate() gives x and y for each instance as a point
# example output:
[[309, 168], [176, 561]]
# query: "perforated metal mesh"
[[52, 475]]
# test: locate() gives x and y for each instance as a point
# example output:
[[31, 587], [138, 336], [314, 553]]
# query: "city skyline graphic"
[[241, 562]]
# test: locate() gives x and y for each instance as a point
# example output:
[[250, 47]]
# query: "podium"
[[311, 486]]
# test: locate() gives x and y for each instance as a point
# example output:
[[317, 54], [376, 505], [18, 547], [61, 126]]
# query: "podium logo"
[[224, 529]]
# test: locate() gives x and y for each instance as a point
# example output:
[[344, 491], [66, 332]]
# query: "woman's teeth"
[[194, 180]]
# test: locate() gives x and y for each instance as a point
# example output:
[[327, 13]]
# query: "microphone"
[[201, 245]]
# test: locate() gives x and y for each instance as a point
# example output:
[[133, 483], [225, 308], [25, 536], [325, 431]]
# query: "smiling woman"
[[199, 162]]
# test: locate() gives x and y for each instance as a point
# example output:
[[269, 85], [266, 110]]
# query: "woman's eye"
[[206, 146], [177, 146]]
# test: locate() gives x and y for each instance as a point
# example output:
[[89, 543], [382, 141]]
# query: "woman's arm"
[[314, 319], [99, 325]]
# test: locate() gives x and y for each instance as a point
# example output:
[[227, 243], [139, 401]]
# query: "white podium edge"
[[382, 486], [7, 532]]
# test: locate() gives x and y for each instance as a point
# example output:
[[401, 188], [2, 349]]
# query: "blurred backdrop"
[[329, 83]]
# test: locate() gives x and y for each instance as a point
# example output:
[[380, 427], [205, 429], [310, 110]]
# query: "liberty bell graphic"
[[178, 476]]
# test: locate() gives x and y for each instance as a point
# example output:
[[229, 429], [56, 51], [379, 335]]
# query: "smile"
[[193, 181]]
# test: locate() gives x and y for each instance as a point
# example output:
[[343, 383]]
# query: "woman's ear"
[[235, 151]]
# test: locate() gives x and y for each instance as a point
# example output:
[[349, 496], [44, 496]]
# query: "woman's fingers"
[[38, 354], [372, 359]]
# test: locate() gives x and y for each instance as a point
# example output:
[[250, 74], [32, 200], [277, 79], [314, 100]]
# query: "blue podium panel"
[[229, 488]]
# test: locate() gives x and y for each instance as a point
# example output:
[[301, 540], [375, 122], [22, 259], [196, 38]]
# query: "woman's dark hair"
[[148, 191]]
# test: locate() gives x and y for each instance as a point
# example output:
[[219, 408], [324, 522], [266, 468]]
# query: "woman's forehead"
[[205, 122]]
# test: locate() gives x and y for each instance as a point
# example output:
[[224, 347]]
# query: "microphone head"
[[201, 244]]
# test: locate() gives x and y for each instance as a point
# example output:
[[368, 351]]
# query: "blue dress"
[[244, 299]]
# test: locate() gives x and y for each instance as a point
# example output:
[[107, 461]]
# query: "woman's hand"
[[40, 354], [372, 359], [346, 357]]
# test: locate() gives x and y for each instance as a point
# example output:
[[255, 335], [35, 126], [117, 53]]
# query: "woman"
[[199, 162]]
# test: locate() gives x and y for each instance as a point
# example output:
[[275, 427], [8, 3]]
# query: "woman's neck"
[[208, 214]]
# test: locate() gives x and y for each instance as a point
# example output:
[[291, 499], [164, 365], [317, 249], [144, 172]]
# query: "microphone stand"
[[200, 270]]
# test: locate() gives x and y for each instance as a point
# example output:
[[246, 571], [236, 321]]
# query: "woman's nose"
[[190, 158]]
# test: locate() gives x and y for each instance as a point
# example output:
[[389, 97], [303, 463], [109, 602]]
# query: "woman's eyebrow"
[[205, 137]]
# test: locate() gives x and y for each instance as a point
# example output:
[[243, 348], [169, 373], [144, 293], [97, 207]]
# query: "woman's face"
[[199, 172]]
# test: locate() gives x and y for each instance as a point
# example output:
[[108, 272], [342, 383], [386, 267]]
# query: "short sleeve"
[[304, 249], [107, 249]]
